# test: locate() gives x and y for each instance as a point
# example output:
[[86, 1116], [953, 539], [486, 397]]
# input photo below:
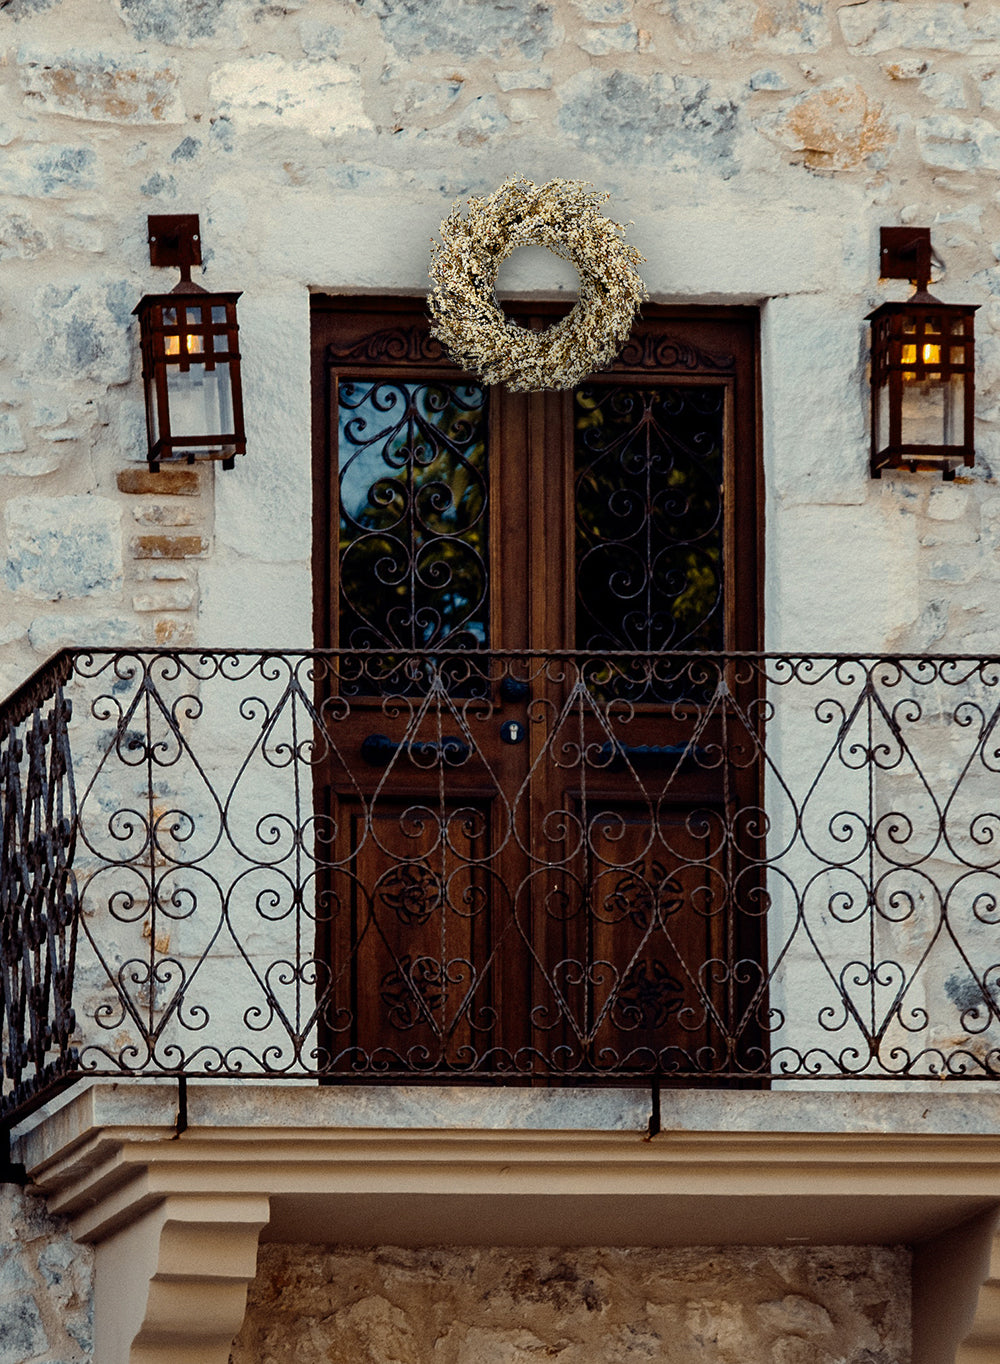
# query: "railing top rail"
[[37, 688], [442, 651]]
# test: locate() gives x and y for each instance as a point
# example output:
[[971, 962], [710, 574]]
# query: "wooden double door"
[[529, 865]]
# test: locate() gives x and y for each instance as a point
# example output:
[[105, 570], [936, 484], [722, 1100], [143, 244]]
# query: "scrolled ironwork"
[[413, 514], [736, 868]]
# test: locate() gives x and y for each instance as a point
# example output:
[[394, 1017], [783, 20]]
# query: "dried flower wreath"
[[466, 318]]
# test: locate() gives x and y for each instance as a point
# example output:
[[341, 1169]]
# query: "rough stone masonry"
[[502, 1306]]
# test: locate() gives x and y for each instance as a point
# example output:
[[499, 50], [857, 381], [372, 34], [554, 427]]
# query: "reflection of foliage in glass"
[[649, 517], [413, 523]]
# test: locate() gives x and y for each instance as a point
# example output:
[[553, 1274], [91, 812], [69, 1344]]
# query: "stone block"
[[768, 79], [322, 98], [177, 597], [80, 236], [87, 331], [48, 172], [21, 9], [60, 547], [176, 633], [22, 1335], [165, 514], [128, 431], [55, 1263], [947, 501], [989, 88], [681, 121], [11, 439], [521, 110], [944, 89], [603, 11], [479, 122], [429, 99], [20, 238], [79, 1324], [159, 187], [14, 1278], [320, 38], [168, 546], [835, 127], [165, 571], [101, 87], [795, 1315], [788, 26], [30, 466], [186, 150], [954, 566], [905, 68], [168, 482], [11, 631], [880, 25], [222, 136], [600, 41], [49, 410], [49, 633], [468, 28], [959, 144], [192, 23]]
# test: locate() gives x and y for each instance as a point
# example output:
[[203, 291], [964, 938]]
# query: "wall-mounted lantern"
[[190, 356], [922, 367]]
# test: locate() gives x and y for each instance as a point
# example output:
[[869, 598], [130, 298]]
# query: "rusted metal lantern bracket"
[[175, 239], [922, 367], [190, 356], [905, 253]]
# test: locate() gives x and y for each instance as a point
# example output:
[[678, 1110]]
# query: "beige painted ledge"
[[176, 1218]]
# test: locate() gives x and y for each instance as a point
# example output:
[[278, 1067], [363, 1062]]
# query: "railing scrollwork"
[[472, 865]]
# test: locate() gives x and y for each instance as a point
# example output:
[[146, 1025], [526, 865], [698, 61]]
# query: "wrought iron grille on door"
[[543, 869]]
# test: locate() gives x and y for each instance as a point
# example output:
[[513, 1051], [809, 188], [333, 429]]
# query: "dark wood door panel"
[[621, 516]]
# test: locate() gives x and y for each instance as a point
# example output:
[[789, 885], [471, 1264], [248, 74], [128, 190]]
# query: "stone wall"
[[46, 1313], [503, 1306], [756, 145]]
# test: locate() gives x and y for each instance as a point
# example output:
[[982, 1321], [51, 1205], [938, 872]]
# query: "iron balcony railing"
[[510, 867]]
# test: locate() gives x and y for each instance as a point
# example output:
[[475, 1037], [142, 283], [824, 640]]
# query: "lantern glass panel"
[[932, 409], [152, 417], [882, 418], [201, 401]]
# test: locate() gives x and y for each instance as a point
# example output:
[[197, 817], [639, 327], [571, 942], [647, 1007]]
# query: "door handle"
[[379, 750], [514, 689]]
